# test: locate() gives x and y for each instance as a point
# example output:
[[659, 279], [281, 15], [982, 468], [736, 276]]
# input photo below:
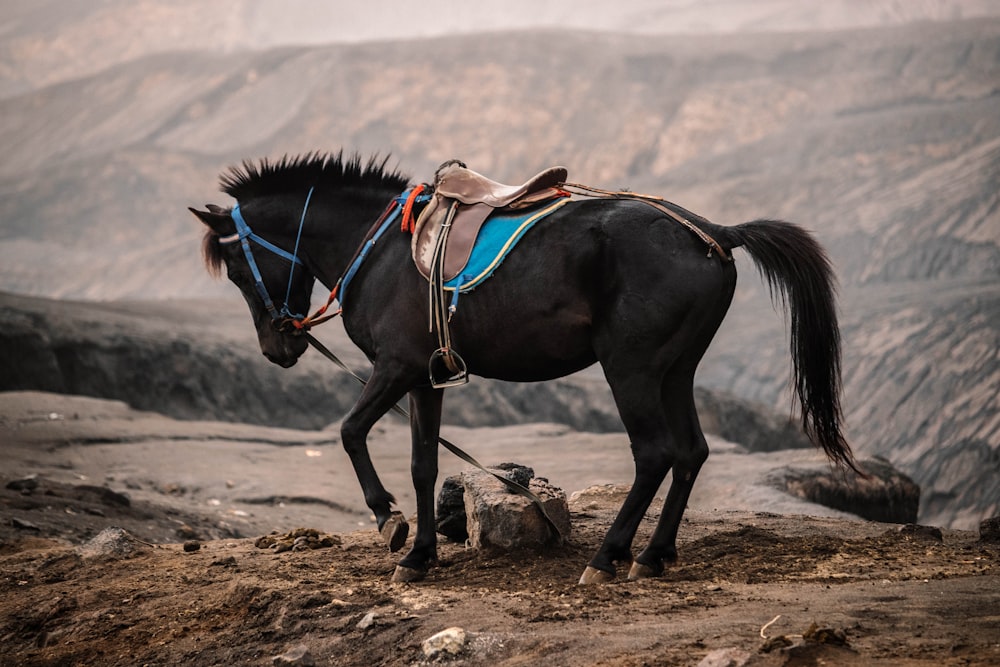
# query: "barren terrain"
[[894, 595]]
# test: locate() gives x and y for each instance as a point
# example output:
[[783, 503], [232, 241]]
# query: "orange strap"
[[316, 318], [409, 222]]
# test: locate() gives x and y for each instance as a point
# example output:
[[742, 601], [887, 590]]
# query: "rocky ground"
[[750, 555]]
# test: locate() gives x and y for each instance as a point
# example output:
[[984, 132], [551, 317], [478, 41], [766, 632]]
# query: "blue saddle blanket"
[[496, 238]]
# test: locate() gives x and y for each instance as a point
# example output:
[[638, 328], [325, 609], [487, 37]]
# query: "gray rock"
[[299, 655], [111, 542], [446, 643], [451, 520], [498, 519], [989, 530], [885, 495]]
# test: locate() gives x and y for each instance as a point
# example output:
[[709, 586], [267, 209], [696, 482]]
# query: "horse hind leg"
[[637, 395], [692, 451]]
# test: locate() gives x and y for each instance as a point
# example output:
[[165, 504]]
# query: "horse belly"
[[525, 335], [531, 353]]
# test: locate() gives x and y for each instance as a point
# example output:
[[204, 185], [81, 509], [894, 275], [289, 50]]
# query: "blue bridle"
[[244, 235]]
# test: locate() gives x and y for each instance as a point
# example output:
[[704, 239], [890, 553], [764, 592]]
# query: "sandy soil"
[[748, 555]]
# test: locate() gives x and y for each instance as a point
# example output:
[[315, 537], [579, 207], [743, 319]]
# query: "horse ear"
[[217, 219]]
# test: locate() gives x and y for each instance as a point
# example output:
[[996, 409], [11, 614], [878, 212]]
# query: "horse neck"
[[346, 219]]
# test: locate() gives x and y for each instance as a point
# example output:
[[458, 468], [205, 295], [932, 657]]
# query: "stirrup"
[[447, 369]]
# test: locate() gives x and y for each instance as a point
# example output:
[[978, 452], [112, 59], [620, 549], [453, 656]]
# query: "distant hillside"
[[885, 141], [43, 42]]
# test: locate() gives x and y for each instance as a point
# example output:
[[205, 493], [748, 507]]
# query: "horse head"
[[274, 282]]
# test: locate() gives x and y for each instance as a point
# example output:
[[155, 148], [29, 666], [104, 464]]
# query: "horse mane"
[[293, 173], [297, 173]]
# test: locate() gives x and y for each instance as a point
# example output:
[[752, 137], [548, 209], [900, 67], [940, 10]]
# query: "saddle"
[[463, 200], [445, 233]]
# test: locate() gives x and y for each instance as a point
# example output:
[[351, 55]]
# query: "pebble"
[[447, 642], [366, 621], [192, 545], [299, 655]]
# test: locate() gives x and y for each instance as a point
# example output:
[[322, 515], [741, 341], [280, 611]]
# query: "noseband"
[[244, 235]]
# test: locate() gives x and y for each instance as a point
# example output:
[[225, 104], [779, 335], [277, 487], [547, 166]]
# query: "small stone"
[[21, 524], [448, 642], [192, 545], [989, 530], [299, 655], [366, 621]]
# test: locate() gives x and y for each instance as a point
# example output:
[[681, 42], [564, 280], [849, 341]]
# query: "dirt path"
[[898, 598], [894, 597]]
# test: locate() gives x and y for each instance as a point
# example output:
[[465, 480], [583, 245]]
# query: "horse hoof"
[[394, 531], [594, 576], [407, 574], [640, 571]]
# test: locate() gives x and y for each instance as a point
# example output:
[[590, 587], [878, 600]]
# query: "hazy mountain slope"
[[846, 132], [46, 41]]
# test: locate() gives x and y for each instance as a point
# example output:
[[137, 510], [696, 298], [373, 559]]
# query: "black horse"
[[607, 280]]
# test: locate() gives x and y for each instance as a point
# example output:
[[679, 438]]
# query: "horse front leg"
[[378, 397], [425, 425]]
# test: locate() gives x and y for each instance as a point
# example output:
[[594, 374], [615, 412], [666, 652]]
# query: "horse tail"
[[798, 271]]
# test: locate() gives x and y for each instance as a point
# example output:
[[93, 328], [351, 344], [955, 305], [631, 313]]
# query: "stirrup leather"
[[446, 367]]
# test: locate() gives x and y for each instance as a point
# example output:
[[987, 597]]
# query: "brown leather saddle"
[[463, 200]]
